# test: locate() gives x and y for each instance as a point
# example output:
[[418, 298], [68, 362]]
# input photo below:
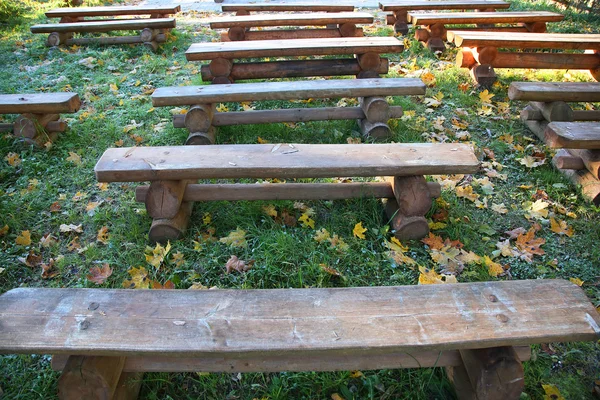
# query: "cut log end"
[[595, 73], [465, 58], [409, 228], [401, 28], [236, 34], [422, 35], [376, 109], [201, 138], [375, 130], [222, 80], [147, 35], [369, 61], [436, 45], [484, 75], [152, 45], [199, 118], [163, 230], [348, 30]]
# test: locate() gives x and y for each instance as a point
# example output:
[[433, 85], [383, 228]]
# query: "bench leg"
[[348, 30], [433, 37], [220, 70], [401, 22], [91, 377], [595, 73], [493, 373], [129, 386], [407, 210], [198, 120], [377, 114], [536, 27], [163, 230], [56, 39], [38, 129], [370, 65]]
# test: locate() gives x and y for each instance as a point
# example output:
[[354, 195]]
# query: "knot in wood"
[[492, 298], [83, 325], [93, 306], [502, 318]]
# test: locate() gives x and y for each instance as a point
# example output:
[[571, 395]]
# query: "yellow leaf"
[[494, 269], [4, 230], [552, 393], [270, 210], [236, 238], [103, 186], [356, 374], [576, 281], [139, 279], [435, 226], [102, 236], [428, 276], [336, 396], [114, 88], [74, 158], [222, 108], [536, 210], [338, 243], [561, 227], [486, 97], [531, 162], [156, 256], [307, 221], [466, 192], [499, 208], [322, 235], [261, 140], [396, 245], [24, 239], [247, 106], [359, 231], [177, 259], [206, 219], [428, 78], [13, 159]]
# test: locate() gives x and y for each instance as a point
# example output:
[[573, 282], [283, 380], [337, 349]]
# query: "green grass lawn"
[[40, 190]]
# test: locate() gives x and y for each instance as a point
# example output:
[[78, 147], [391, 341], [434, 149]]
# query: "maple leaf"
[[177, 259], [156, 256], [4, 230], [552, 393], [139, 279], [322, 235], [359, 231], [576, 281], [24, 239], [529, 245], [428, 276], [428, 78], [307, 221], [74, 158], [13, 159], [168, 285], [494, 269], [516, 232], [98, 275], [466, 192], [235, 264], [235, 238], [505, 249], [222, 108], [247, 106], [561, 227], [270, 210], [396, 252], [102, 236], [48, 270], [463, 87], [531, 162], [468, 257], [338, 243], [65, 228], [486, 97], [206, 219], [499, 208], [537, 210], [433, 241], [261, 140], [31, 260]]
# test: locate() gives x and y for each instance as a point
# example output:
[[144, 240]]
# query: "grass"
[[284, 256]]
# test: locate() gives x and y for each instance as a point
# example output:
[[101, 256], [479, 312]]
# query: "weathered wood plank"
[[39, 103], [573, 135], [235, 323], [102, 26], [525, 40], [111, 11], [554, 91], [289, 6], [137, 164], [312, 19], [293, 48], [406, 5], [590, 185], [289, 90], [483, 17]]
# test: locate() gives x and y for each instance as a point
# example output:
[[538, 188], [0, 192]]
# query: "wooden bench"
[[39, 115], [296, 6], [480, 335], [239, 26], [202, 117], [172, 171], [480, 52], [75, 20], [400, 9], [224, 68], [575, 132], [436, 25]]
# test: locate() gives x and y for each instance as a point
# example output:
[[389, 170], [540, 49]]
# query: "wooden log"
[[460, 380], [106, 26], [288, 191], [536, 27], [220, 67], [537, 127], [148, 35], [405, 228], [369, 61], [111, 11], [348, 30], [422, 35], [390, 19], [554, 91], [465, 58], [546, 61], [589, 184], [199, 117], [164, 198], [554, 111], [52, 126], [92, 377], [484, 75], [152, 46], [485, 55], [375, 130], [589, 158], [412, 194], [236, 33], [436, 44], [286, 115], [568, 162], [376, 109], [437, 31], [285, 34], [159, 38], [530, 113], [30, 125], [573, 135], [401, 27], [129, 386], [201, 138], [288, 69], [165, 229], [56, 38]]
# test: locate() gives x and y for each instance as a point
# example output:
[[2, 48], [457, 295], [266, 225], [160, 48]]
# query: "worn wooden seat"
[[222, 68], [480, 52], [550, 117], [39, 120], [95, 333], [172, 171], [74, 20], [239, 26], [436, 25], [400, 9], [296, 6], [372, 115]]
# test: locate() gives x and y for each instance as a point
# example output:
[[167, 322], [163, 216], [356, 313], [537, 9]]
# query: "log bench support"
[[36, 129], [150, 38], [238, 33]]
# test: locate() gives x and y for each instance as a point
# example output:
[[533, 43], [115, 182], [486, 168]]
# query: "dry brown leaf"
[[31, 260], [48, 270], [168, 285], [98, 275], [529, 245], [55, 207], [235, 264], [66, 228], [102, 236]]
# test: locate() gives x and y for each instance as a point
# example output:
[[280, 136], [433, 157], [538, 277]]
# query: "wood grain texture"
[[137, 164], [278, 363], [106, 26], [288, 6], [289, 90], [554, 91], [293, 48], [110, 11], [39, 103], [483, 17], [311, 19], [405, 5], [526, 40], [545, 60], [573, 135], [294, 321], [589, 184]]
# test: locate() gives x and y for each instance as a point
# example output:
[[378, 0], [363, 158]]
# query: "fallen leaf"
[[65, 228], [102, 236], [576, 281], [331, 271], [359, 231], [13, 159], [177, 259], [499, 208], [428, 276], [486, 97], [235, 238], [74, 158], [156, 256], [529, 245], [466, 192], [99, 274], [24, 239], [494, 269], [307, 221], [139, 279], [322, 235], [4, 230], [270, 210], [48, 270], [31, 260], [168, 285], [561, 227], [55, 207], [235, 264], [537, 210], [433, 241], [552, 393]]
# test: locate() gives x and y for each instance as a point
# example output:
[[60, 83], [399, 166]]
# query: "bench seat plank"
[[138, 164], [106, 26], [313, 19], [353, 321], [573, 135], [39, 103], [484, 17], [407, 5], [571, 41], [289, 90], [293, 48], [283, 6], [555, 91], [111, 11]]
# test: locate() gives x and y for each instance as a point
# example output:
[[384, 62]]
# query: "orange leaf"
[[99, 274]]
